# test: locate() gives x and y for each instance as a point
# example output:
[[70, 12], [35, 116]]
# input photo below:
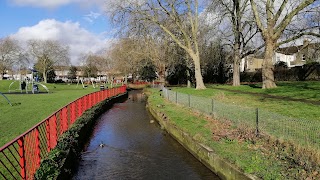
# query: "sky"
[[80, 24]]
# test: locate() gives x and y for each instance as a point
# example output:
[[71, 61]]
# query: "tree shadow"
[[254, 86]]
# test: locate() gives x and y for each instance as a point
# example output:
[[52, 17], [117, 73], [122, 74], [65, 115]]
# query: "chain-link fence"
[[301, 131]]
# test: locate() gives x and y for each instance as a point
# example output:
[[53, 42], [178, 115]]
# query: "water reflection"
[[135, 149]]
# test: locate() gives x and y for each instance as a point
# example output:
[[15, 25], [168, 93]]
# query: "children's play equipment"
[[80, 80], [28, 85], [6, 98]]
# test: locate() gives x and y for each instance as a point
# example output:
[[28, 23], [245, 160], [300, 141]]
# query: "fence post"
[[189, 100], [212, 105], [257, 122], [167, 94], [176, 97], [22, 158]]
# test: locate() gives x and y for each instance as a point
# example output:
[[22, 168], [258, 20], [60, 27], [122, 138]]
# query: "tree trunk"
[[188, 79], [125, 78], [44, 76], [236, 67], [267, 67], [197, 71]]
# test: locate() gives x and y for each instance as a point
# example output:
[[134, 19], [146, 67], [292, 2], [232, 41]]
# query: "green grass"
[[249, 159], [30, 109], [283, 106], [308, 90]]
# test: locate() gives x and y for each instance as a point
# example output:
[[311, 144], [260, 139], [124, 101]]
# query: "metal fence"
[[303, 132], [20, 158]]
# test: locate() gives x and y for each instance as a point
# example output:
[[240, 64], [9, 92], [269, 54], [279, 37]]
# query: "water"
[[136, 149]]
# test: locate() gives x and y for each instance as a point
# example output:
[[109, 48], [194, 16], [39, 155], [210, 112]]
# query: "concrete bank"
[[204, 154]]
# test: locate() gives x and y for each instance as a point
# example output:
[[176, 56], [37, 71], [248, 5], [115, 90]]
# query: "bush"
[[251, 76]]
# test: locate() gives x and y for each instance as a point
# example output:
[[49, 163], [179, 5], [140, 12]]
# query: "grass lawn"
[[29, 109], [309, 91]]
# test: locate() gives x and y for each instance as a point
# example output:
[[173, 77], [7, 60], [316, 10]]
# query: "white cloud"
[[68, 33], [91, 16], [57, 3], [42, 3]]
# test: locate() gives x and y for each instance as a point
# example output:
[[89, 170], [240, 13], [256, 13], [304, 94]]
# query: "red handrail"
[[20, 158]]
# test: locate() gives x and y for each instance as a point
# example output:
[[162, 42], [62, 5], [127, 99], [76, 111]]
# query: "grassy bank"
[[265, 158], [29, 109], [294, 99]]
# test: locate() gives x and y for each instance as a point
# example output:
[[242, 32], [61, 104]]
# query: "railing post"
[[73, 112], [83, 105], [91, 100], [61, 122], [79, 107], [48, 134], [65, 116], [38, 157], [85, 99], [55, 132], [22, 158]]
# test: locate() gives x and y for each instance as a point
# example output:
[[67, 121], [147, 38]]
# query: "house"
[[292, 55], [251, 63], [298, 55], [61, 72]]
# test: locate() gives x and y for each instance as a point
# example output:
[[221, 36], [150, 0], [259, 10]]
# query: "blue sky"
[[81, 24]]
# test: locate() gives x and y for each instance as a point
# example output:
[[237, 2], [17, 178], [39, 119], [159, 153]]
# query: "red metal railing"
[[20, 158]]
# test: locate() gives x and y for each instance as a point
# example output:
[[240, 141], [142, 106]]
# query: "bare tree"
[[125, 56], [178, 19], [272, 18], [10, 52], [237, 28], [47, 54]]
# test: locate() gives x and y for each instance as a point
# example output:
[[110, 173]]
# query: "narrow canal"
[[134, 148]]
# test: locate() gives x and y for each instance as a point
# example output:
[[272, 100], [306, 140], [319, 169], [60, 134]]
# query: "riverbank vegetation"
[[30, 109], [263, 156]]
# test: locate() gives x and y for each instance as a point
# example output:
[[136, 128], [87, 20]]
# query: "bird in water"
[[101, 144]]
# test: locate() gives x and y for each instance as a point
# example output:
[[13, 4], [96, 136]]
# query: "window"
[[251, 62], [278, 58], [303, 57]]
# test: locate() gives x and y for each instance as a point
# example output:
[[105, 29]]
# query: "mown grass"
[[282, 105], [29, 109], [242, 154]]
